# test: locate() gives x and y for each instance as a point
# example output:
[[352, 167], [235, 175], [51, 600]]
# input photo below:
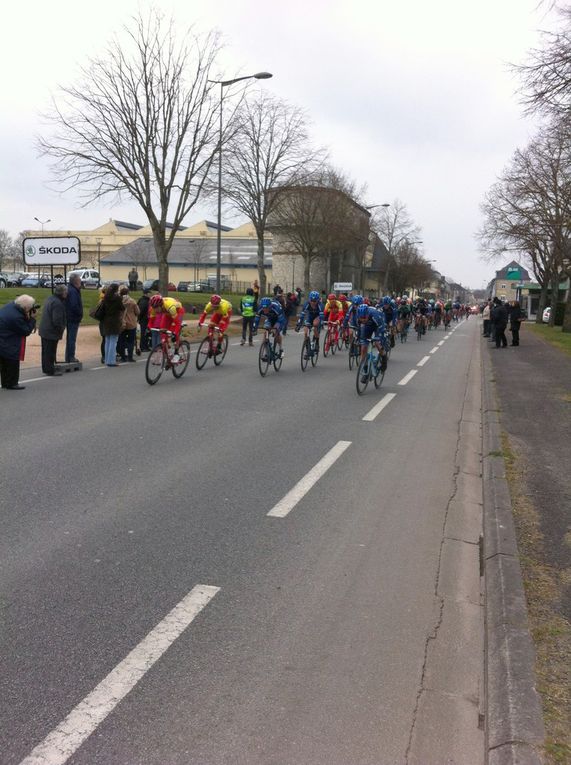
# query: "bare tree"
[[394, 226], [142, 123], [409, 269], [268, 148], [5, 247]]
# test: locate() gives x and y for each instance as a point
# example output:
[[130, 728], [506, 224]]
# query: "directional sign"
[[342, 286], [51, 251]]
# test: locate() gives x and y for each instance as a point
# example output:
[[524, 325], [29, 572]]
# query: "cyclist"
[[165, 313], [447, 312], [350, 318], [311, 315], [437, 313], [388, 306], [420, 310], [221, 311], [345, 303], [404, 312], [372, 327], [274, 318]]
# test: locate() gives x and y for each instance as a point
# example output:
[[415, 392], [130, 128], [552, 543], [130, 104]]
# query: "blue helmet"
[[265, 302], [357, 299], [314, 295], [386, 300], [362, 311]]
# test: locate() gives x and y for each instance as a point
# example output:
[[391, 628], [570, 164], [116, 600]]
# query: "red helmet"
[[367, 301], [331, 297], [343, 298], [215, 299], [156, 301]]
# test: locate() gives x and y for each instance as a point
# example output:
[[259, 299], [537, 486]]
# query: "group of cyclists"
[[355, 317]]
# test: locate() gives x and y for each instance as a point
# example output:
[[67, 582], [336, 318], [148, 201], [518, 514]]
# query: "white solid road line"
[[35, 379], [378, 408], [434, 349], [407, 378], [69, 735], [423, 361], [285, 505]]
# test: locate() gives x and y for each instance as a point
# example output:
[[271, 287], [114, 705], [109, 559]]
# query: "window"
[[502, 286]]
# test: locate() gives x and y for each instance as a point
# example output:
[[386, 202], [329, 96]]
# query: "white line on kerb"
[[434, 349], [378, 408], [408, 377], [69, 735], [301, 488], [34, 379], [423, 361]]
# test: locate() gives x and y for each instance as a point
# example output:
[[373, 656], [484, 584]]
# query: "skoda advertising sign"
[[51, 251]]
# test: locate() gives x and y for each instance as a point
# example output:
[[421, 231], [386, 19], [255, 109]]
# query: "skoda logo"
[[30, 250]]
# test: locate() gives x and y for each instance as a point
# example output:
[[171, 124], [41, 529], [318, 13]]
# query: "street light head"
[[262, 76]]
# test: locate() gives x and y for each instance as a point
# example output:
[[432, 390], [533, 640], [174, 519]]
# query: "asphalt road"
[[345, 632]]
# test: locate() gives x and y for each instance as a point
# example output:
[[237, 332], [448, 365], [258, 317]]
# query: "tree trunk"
[[542, 302], [163, 270], [567, 315], [554, 298], [261, 268], [306, 273]]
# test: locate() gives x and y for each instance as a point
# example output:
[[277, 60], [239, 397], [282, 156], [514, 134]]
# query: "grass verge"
[[553, 335], [551, 632]]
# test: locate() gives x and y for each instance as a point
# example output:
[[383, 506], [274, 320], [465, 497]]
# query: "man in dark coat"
[[516, 318], [143, 304], [17, 321], [499, 317], [74, 315], [52, 325], [133, 279]]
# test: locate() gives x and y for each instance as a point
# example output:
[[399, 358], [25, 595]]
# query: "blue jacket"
[[73, 305], [13, 327], [275, 313]]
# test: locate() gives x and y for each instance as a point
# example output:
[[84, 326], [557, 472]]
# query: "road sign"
[[342, 286], [51, 251]]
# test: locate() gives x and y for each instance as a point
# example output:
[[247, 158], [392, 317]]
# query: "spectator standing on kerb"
[[17, 321], [143, 304], [126, 342], [486, 318], [516, 318], [248, 308], [499, 316], [112, 323], [52, 326], [133, 278], [290, 308], [74, 315]]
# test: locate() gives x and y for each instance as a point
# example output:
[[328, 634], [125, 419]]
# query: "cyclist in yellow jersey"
[[221, 311]]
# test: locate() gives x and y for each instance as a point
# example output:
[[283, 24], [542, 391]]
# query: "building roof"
[[513, 270], [235, 253]]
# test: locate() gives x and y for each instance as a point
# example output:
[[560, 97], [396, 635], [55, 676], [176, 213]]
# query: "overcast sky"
[[414, 99]]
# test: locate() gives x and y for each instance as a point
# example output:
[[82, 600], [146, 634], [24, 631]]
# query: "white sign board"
[[51, 251], [342, 286]]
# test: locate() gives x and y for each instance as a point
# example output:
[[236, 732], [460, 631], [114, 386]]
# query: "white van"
[[89, 278]]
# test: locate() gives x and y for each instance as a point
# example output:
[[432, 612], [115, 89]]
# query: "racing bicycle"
[[270, 352], [165, 356], [208, 348]]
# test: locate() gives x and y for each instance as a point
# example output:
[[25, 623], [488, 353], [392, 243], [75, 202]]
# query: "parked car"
[[89, 277], [153, 284], [35, 281], [3, 280], [194, 287], [16, 277], [546, 315]]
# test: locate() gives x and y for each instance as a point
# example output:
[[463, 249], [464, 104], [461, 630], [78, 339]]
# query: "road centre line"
[[441, 343], [69, 735], [434, 349], [423, 361], [285, 505], [407, 378], [378, 408]]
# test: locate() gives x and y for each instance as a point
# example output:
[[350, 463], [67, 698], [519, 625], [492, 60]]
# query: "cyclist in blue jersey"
[[311, 315], [372, 327], [350, 318], [274, 318]]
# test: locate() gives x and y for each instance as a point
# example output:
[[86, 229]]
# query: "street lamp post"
[[99, 240], [43, 222], [223, 84]]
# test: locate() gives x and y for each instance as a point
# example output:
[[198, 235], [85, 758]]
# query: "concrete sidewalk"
[[527, 394]]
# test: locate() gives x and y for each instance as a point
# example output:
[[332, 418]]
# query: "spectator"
[[52, 326], [248, 308], [112, 323], [299, 295], [277, 290], [486, 318], [126, 343], [516, 318], [499, 317], [17, 321], [133, 278], [256, 288], [143, 304], [74, 315], [290, 308]]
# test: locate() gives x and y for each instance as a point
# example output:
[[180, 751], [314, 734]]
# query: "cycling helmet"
[[367, 301], [357, 299], [386, 300], [362, 311], [156, 301], [431, 301], [343, 298], [265, 302], [314, 295], [215, 299], [331, 297]]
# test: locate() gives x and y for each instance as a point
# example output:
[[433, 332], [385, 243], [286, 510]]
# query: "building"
[[510, 283]]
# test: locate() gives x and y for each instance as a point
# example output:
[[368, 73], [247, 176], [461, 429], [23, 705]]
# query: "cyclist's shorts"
[[369, 332], [217, 320], [310, 317], [276, 321]]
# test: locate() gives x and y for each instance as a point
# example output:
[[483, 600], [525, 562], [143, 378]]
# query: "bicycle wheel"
[[219, 357], [264, 357], [340, 341], [277, 358], [179, 367], [419, 331], [327, 344], [379, 375], [315, 354], [203, 353], [362, 379], [305, 351], [155, 365], [333, 339], [353, 354]]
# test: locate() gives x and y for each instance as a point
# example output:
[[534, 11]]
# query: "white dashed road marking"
[[423, 361], [407, 378], [378, 408]]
